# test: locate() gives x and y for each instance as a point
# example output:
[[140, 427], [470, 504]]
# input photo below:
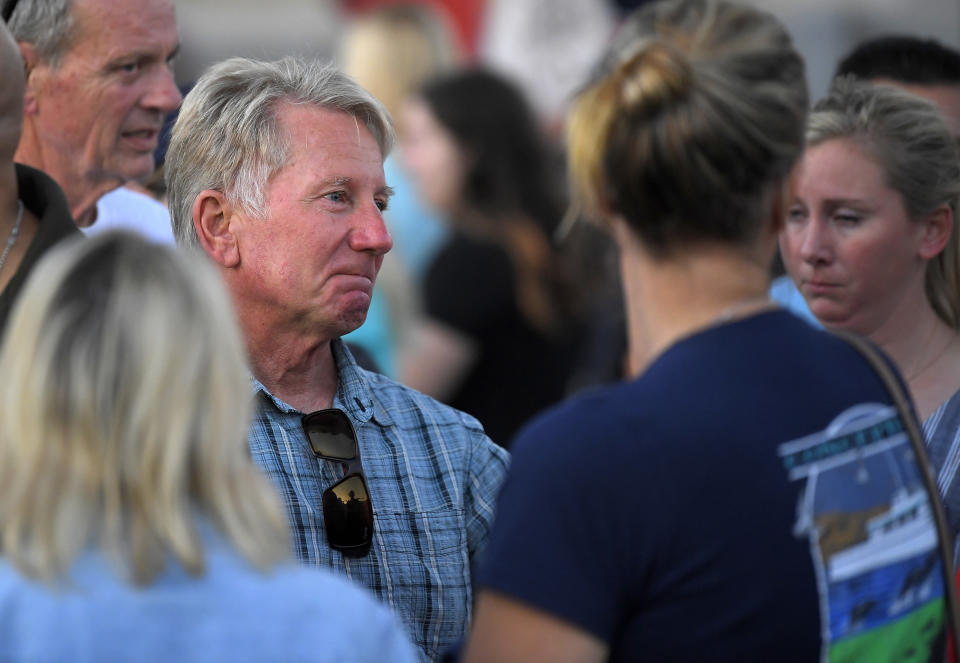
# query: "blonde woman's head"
[[123, 415], [392, 50], [910, 141]]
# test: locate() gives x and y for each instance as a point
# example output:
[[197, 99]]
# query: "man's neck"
[[82, 193], [300, 372]]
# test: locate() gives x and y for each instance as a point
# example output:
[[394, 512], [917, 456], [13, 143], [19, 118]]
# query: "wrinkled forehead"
[[113, 24], [306, 123]]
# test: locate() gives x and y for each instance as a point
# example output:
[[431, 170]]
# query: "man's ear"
[[213, 217], [30, 62], [936, 231]]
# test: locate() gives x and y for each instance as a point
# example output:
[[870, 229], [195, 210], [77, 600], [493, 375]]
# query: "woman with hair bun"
[[670, 517]]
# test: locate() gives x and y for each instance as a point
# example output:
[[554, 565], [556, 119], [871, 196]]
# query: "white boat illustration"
[[905, 530]]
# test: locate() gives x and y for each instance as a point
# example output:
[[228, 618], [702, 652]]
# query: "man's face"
[[101, 109], [310, 265]]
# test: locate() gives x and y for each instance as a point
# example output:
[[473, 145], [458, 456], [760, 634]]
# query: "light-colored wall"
[[213, 30], [825, 30]]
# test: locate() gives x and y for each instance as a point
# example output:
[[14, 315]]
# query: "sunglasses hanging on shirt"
[[347, 510]]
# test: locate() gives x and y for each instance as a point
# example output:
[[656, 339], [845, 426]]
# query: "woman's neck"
[[670, 298], [927, 352]]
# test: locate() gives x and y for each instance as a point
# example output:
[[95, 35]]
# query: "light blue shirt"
[[231, 613], [418, 232], [433, 477], [784, 292]]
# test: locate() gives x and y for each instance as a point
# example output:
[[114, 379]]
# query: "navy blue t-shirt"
[[660, 514]]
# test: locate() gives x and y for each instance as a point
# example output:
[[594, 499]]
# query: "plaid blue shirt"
[[433, 478]]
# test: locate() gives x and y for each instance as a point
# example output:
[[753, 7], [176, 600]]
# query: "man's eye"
[[130, 67], [336, 196], [382, 204], [796, 214]]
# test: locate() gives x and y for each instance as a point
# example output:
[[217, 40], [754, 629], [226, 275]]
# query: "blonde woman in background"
[[871, 241], [657, 519], [391, 50], [134, 524]]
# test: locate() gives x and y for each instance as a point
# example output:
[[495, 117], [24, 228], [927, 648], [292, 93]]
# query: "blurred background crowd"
[[512, 283], [478, 302]]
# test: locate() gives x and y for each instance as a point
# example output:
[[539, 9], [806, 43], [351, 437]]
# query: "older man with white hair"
[[275, 171]]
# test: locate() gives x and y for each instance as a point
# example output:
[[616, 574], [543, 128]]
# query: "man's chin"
[[351, 321], [135, 168]]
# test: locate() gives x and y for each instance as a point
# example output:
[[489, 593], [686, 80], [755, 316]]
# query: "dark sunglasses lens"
[[331, 435], [348, 515]]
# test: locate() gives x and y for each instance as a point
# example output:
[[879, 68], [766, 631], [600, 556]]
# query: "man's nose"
[[162, 93], [370, 232]]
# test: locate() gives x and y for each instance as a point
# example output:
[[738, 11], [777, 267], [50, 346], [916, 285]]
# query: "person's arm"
[[436, 358], [468, 288], [507, 631]]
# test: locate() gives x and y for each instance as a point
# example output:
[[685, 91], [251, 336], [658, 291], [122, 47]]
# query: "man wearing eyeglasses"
[[99, 86], [275, 171]]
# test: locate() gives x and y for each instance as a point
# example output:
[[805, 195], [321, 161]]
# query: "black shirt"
[[44, 198]]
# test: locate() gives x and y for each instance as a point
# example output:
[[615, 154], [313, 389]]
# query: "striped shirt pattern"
[[433, 477], [941, 431]]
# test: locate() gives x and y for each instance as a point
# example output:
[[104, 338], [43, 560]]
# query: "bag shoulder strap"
[[902, 402]]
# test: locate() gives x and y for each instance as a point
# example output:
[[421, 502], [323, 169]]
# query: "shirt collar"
[[354, 395]]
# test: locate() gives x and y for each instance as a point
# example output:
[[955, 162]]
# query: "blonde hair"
[[694, 119], [392, 50], [124, 409], [228, 137], [912, 144]]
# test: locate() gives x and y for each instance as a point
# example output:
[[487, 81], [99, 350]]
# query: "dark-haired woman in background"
[[497, 342]]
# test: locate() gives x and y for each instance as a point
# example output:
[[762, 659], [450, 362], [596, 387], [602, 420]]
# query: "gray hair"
[[227, 137], [114, 433], [912, 144], [47, 24], [693, 121]]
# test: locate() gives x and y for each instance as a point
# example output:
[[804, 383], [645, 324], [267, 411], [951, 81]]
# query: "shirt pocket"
[[427, 573]]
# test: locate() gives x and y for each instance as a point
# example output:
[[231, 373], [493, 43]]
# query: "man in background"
[[923, 67], [33, 211], [99, 84]]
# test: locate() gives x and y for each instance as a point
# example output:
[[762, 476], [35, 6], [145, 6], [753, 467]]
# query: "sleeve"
[[469, 285], [559, 540], [486, 474]]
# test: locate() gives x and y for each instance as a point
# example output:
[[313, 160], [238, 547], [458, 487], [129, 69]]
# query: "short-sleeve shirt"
[[44, 198], [433, 478], [659, 516]]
